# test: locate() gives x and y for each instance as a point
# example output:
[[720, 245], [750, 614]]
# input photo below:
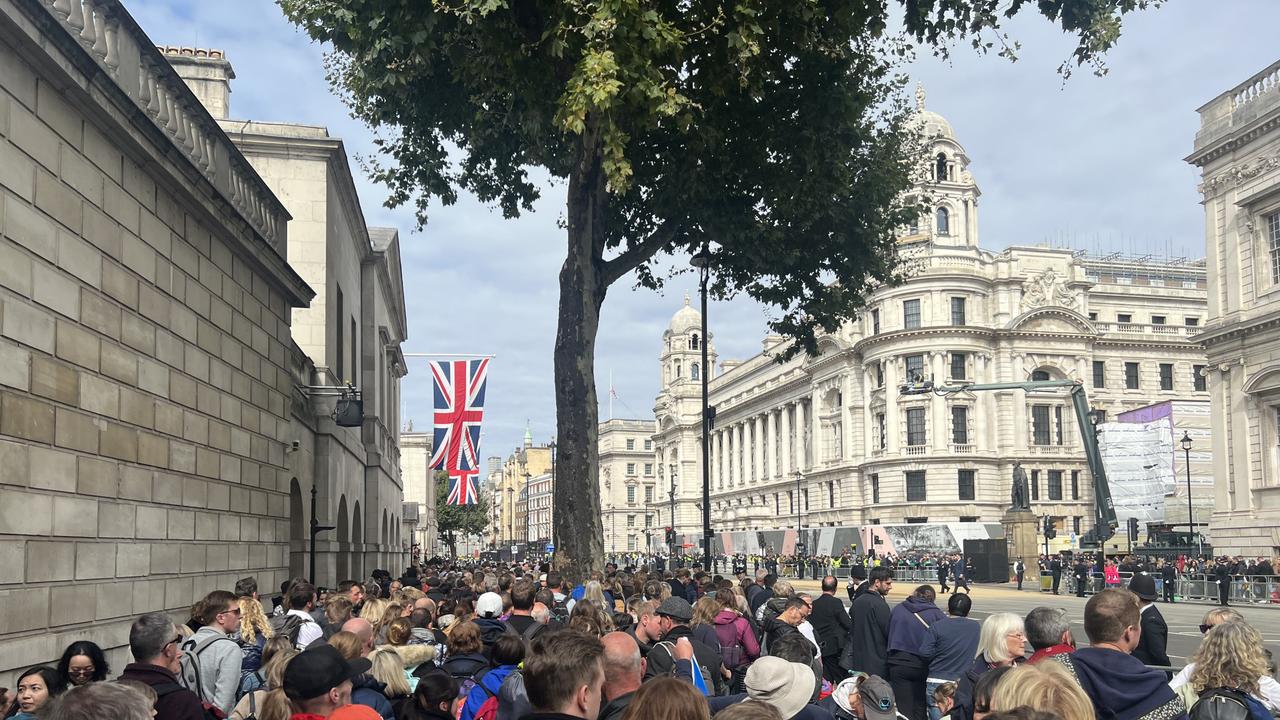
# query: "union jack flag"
[[459, 409]]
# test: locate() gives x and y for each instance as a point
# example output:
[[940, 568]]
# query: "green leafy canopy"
[[455, 521], [772, 129]]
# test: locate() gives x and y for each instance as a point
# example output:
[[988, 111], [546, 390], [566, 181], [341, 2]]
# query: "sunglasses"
[[1205, 628]]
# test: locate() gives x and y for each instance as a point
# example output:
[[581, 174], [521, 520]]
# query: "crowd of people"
[[491, 642], [1247, 580]]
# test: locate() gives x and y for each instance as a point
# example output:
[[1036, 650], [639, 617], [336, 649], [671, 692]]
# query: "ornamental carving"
[[1048, 288], [1235, 175]]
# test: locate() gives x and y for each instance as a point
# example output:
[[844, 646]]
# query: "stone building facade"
[[831, 439], [506, 488], [1238, 152], [146, 340], [350, 334], [420, 489], [628, 483]]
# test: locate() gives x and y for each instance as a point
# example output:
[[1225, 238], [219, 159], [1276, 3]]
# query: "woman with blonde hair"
[[269, 702], [1230, 656], [1043, 685], [1001, 643], [254, 626], [399, 633], [1268, 688], [374, 609], [390, 613], [388, 669], [594, 592]]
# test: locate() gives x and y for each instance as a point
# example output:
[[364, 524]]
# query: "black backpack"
[[1220, 704], [207, 711], [287, 625]]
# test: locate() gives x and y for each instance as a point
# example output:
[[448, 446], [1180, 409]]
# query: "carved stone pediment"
[[1048, 288]]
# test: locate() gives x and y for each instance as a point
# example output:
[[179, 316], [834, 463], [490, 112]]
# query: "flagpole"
[[451, 355]]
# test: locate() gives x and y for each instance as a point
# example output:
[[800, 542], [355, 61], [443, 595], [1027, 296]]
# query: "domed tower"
[[947, 185], [682, 349]]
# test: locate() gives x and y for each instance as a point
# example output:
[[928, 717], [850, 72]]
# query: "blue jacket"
[[950, 645], [367, 691], [477, 697]]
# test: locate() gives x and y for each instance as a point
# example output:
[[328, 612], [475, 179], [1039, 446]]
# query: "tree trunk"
[[577, 531]]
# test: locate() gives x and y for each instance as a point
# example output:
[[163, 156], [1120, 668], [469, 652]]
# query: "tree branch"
[[639, 252]]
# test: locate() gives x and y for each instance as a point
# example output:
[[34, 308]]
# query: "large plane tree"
[[771, 131]]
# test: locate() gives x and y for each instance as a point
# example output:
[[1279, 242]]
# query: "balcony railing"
[[1146, 329], [962, 448], [1052, 449], [915, 449]]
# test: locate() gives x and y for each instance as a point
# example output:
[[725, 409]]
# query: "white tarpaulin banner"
[[1138, 458]]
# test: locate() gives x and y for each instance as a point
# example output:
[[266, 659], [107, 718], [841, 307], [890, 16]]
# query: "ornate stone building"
[[627, 483], [420, 489], [831, 438], [1238, 152]]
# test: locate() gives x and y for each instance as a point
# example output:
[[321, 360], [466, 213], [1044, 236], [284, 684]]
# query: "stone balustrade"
[[110, 36]]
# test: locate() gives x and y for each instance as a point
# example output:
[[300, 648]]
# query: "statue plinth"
[[1021, 536]]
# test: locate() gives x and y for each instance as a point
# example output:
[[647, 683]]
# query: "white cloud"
[[1094, 163]]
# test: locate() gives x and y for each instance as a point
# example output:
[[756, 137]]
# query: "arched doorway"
[[297, 531], [344, 541], [357, 544]]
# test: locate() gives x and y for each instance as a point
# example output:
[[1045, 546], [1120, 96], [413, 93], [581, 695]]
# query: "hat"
[[786, 686], [444, 621], [355, 712], [858, 572], [489, 605], [1144, 586], [677, 608], [877, 699], [318, 670]]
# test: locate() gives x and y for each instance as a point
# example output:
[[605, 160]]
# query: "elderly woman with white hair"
[[1001, 643]]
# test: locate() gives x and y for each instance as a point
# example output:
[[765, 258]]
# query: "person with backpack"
[[909, 624], [1225, 680], [521, 621], [481, 703], [211, 658], [297, 623], [466, 657], [153, 642], [735, 637]]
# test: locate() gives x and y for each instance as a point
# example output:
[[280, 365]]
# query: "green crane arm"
[[1105, 509]]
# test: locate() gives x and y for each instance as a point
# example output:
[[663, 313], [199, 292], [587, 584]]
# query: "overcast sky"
[[1092, 163]]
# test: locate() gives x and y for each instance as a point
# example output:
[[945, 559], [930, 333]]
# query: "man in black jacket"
[[674, 615], [1222, 575], [857, 580], [831, 627], [1081, 572], [1169, 578], [868, 648], [1153, 644], [153, 641]]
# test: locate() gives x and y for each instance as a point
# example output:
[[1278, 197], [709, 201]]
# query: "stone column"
[[740, 454], [891, 406], [770, 445], [801, 465], [717, 455], [939, 435], [759, 448], [869, 438], [786, 454], [816, 454], [1021, 429]]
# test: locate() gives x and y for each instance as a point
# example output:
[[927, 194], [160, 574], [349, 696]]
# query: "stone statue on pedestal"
[[1021, 498]]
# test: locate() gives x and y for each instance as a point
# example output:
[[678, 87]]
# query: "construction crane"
[[1104, 507]]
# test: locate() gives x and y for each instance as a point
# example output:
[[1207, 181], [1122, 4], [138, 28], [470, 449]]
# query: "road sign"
[[551, 548], [515, 549]]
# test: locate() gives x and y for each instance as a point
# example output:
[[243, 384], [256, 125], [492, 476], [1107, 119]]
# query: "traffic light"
[[671, 536], [1133, 529], [1049, 531]]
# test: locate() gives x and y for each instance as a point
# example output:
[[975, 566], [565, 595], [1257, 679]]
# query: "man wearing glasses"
[[212, 666], [154, 642]]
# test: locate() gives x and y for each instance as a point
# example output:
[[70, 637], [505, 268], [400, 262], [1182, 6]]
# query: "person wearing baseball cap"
[[318, 681]]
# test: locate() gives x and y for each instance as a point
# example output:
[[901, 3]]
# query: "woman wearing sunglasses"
[[82, 663], [1268, 689], [211, 668]]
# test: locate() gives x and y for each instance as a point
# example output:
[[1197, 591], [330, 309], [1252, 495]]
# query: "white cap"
[[489, 605]]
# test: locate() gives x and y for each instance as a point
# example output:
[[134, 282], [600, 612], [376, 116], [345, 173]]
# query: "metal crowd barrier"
[[1257, 590]]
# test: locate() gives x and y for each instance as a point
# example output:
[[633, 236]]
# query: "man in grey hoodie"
[[211, 659]]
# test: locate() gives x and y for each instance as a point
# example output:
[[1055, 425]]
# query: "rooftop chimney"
[[207, 73]]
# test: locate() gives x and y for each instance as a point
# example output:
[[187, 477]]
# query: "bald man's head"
[[362, 629], [623, 667]]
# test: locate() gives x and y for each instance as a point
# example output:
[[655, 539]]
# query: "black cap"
[[318, 670]]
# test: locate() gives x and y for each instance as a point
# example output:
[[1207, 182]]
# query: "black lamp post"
[[702, 261], [1191, 523], [316, 529], [1095, 419], [672, 495]]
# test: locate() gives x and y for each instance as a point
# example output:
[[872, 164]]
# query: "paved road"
[[1183, 618]]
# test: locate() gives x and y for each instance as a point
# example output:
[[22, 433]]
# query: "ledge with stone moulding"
[[106, 31]]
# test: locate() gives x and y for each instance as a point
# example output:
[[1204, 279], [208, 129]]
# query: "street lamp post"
[[702, 261], [511, 518], [1095, 419], [1191, 523], [671, 551], [316, 529], [799, 529]]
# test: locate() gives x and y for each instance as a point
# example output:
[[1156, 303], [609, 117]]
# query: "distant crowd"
[[449, 641]]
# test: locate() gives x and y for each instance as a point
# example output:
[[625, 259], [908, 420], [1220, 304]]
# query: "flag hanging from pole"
[[459, 387]]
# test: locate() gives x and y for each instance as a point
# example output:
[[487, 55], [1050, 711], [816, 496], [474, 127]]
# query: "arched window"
[[943, 222], [1039, 375], [693, 371], [677, 370], [940, 167], [693, 341]]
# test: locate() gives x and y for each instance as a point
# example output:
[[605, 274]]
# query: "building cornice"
[[1237, 330]]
